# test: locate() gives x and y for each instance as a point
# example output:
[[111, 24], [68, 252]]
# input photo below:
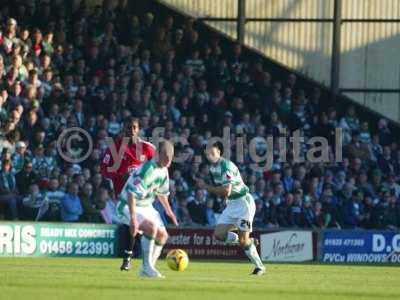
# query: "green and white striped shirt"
[[225, 172], [145, 183]]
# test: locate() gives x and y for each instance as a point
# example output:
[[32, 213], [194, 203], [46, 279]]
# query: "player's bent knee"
[[148, 228], [162, 235]]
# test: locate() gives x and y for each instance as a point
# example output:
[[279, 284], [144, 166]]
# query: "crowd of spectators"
[[66, 66]]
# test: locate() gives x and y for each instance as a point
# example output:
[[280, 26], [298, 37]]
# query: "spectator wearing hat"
[[18, 158]]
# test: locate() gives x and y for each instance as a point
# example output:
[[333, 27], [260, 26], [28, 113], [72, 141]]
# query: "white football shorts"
[[240, 213], [143, 213]]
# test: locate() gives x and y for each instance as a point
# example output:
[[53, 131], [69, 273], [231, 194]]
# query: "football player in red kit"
[[123, 157]]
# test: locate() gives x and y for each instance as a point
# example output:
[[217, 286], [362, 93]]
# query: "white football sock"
[[147, 251], [128, 254], [232, 238], [252, 254], [156, 253]]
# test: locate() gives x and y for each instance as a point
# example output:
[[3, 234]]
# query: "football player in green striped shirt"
[[240, 206], [136, 210]]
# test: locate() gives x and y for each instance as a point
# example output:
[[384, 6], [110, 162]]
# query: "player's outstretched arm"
[[168, 210]]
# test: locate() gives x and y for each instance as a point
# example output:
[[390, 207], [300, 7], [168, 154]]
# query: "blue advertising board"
[[360, 247]]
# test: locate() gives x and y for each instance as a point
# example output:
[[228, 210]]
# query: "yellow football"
[[177, 260]]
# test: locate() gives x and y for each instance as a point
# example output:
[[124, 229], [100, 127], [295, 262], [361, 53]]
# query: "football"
[[177, 260]]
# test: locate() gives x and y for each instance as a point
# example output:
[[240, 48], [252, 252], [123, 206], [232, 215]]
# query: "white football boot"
[[150, 273]]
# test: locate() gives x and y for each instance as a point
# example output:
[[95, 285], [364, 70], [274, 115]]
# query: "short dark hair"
[[218, 145], [131, 119]]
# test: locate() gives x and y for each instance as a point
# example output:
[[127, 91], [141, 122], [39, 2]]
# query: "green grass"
[[73, 278]]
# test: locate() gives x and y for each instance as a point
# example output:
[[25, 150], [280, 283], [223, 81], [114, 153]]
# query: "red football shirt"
[[133, 156]]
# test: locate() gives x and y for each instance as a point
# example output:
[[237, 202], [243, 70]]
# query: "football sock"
[[232, 238], [147, 250], [156, 252], [252, 254], [128, 253]]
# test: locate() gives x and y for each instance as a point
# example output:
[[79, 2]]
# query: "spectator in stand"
[[310, 219], [197, 207], [330, 208], [54, 194], [179, 206], [91, 204], [386, 162], [389, 212], [210, 214], [296, 213], [8, 191], [25, 178], [353, 210], [109, 212], [71, 207], [94, 68], [357, 149], [18, 158], [35, 204]]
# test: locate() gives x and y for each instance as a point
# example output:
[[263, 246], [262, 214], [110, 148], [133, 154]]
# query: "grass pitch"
[[77, 278]]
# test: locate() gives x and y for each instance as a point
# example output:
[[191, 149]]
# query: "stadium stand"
[[63, 66]]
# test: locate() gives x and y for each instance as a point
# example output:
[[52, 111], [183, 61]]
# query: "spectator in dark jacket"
[[386, 163], [310, 220], [296, 211], [353, 212], [8, 191], [91, 205], [390, 211], [25, 178], [197, 207]]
